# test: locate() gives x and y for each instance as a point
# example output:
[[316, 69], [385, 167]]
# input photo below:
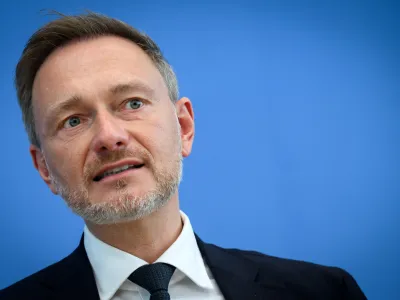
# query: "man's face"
[[111, 140]]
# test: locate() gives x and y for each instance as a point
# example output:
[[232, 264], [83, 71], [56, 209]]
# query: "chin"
[[122, 195], [123, 208]]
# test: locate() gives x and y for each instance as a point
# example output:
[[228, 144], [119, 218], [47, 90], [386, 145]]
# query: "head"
[[101, 109]]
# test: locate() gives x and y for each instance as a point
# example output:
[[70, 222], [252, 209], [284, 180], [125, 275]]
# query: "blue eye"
[[72, 122], [134, 104]]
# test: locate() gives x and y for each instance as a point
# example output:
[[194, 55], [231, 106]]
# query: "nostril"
[[112, 147]]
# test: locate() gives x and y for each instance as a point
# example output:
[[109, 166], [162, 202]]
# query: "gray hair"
[[66, 29]]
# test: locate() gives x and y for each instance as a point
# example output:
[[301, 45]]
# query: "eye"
[[72, 122], [134, 104]]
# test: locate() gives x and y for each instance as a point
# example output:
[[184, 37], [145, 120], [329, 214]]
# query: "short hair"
[[63, 31]]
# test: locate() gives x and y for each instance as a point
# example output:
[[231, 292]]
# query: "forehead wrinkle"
[[73, 101], [137, 57], [132, 86], [56, 109], [59, 107]]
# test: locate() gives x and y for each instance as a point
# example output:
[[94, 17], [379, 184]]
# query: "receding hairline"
[[91, 38], [127, 83], [69, 29], [120, 86]]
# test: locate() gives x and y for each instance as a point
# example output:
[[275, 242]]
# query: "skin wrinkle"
[[139, 213], [101, 213], [77, 196], [56, 110]]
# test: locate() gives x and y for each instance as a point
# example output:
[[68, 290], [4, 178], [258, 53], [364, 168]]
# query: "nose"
[[110, 134]]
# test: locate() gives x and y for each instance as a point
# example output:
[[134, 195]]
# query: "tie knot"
[[154, 278]]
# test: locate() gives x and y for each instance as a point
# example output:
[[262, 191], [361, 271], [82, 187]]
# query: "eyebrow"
[[120, 88], [131, 86], [58, 108]]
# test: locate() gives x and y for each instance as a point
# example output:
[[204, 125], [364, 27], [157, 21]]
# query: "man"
[[108, 134]]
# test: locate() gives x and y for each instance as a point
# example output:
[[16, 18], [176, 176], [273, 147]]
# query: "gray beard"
[[123, 207]]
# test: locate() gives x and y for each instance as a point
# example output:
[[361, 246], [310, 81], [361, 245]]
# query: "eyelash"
[[62, 124], [133, 99]]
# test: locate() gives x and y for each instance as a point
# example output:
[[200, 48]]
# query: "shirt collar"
[[185, 255], [112, 266]]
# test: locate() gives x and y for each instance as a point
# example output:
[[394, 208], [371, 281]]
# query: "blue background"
[[297, 146]]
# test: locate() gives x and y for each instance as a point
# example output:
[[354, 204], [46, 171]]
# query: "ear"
[[184, 111], [39, 163]]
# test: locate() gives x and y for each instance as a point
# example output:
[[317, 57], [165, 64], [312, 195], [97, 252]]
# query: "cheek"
[[161, 139], [65, 163]]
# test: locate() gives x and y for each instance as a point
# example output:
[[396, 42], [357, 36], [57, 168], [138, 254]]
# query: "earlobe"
[[185, 115], [39, 163]]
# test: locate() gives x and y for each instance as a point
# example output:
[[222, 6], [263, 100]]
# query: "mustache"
[[110, 157]]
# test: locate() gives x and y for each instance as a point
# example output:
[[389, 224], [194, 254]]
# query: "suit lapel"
[[76, 280], [238, 278]]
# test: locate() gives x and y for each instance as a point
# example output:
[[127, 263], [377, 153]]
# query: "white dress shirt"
[[191, 280]]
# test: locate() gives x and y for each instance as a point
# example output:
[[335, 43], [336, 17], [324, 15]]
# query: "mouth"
[[115, 171]]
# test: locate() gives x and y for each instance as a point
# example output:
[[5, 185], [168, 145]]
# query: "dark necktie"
[[155, 279]]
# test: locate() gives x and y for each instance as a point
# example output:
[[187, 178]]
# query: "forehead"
[[89, 66]]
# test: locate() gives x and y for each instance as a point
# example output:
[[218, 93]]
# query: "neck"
[[147, 238]]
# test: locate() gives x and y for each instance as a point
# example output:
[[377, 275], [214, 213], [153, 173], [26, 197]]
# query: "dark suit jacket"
[[241, 275]]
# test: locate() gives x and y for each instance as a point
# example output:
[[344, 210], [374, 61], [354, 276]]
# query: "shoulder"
[[305, 278], [290, 268], [38, 285]]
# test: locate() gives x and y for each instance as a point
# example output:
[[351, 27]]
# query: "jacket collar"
[[72, 277], [237, 277]]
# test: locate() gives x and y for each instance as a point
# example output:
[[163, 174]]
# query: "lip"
[[116, 165], [118, 176]]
